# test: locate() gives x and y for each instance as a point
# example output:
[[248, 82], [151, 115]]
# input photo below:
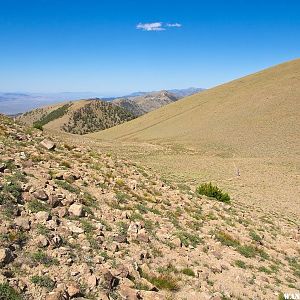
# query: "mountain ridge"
[[203, 109]]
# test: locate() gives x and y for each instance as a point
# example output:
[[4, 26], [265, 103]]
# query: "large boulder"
[[76, 210], [49, 145]]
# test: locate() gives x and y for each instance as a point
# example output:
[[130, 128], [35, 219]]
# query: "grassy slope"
[[250, 124], [253, 115], [35, 115]]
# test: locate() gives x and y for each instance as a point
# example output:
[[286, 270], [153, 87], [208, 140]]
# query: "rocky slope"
[[78, 117], [76, 223]]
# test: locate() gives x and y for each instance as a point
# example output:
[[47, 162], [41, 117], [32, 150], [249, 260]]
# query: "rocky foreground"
[[76, 223]]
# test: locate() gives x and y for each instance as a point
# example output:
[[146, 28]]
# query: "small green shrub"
[[188, 272], [226, 239], [264, 270], [15, 236], [38, 125], [65, 164], [167, 269], [123, 227], [122, 197], [255, 236], [8, 293], [240, 264], [281, 296], [67, 186], [42, 258], [213, 191], [251, 251], [43, 230], [164, 282], [295, 265], [189, 239], [36, 206], [43, 281]]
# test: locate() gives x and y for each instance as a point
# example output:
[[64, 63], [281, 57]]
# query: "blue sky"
[[95, 45]]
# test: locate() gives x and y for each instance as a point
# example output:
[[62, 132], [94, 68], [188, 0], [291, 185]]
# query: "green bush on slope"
[[8, 293], [213, 191]]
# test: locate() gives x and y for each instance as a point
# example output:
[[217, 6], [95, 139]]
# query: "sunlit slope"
[[254, 115], [77, 117]]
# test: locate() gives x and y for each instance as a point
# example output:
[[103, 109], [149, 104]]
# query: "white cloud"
[[174, 25], [157, 26]]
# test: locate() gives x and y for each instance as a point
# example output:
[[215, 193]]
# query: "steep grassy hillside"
[[243, 135], [255, 115]]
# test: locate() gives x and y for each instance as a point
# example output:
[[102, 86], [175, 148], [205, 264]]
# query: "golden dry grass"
[[250, 124]]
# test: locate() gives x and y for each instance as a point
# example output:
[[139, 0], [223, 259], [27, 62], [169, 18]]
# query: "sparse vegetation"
[[117, 218], [8, 293], [213, 191], [35, 206], [188, 272], [255, 236], [43, 281], [164, 281], [226, 239], [41, 257], [240, 264], [189, 239], [67, 186]]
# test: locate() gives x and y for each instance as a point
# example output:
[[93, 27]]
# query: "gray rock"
[[41, 195], [23, 222], [6, 256], [76, 210], [49, 145]]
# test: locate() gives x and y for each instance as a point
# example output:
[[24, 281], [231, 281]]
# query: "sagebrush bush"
[[43, 281], [38, 125], [213, 191], [8, 293]]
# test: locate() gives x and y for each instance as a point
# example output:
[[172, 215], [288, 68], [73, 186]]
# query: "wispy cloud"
[[156, 26], [174, 25]]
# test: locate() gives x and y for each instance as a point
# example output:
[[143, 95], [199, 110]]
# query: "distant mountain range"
[[140, 103], [90, 115], [176, 92], [19, 102]]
